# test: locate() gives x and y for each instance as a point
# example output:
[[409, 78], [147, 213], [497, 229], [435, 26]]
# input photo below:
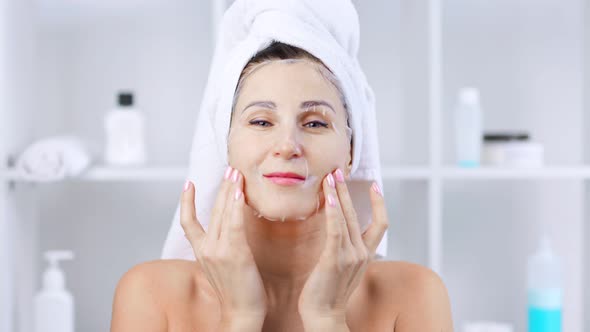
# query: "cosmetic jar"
[[511, 149]]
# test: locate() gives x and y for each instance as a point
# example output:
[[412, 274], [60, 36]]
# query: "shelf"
[[406, 173], [109, 173], [178, 173], [487, 173], [490, 173]]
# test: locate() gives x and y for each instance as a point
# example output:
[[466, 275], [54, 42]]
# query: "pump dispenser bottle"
[[54, 305]]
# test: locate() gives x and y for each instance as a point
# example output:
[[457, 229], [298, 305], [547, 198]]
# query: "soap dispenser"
[[54, 305], [545, 289]]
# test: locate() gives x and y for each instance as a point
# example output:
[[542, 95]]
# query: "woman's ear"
[[349, 164], [348, 168]]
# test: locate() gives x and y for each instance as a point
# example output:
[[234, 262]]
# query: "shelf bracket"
[[10, 162]]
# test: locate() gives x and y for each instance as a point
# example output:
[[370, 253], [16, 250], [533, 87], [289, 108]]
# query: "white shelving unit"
[[452, 234]]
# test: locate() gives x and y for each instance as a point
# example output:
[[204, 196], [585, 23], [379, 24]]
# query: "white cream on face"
[[288, 118]]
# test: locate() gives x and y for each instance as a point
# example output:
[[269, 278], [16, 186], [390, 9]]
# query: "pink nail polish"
[[331, 181], [186, 185], [227, 172], [331, 201], [377, 189], [238, 194], [234, 177], [339, 175]]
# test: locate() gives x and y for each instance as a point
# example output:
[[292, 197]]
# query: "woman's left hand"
[[347, 252]]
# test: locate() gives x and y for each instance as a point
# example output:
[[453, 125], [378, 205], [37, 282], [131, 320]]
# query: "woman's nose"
[[288, 147]]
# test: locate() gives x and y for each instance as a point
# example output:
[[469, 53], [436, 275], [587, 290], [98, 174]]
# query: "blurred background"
[[63, 64]]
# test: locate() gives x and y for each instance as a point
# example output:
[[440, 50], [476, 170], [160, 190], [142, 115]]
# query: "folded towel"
[[328, 29], [53, 159]]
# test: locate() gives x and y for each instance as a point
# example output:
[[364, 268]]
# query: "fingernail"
[[331, 180], [331, 201], [238, 194], [186, 185], [377, 189], [339, 175], [234, 177], [227, 172]]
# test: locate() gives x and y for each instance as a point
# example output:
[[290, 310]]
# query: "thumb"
[[373, 235], [193, 230]]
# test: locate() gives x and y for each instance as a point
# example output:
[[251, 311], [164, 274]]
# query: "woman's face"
[[288, 118]]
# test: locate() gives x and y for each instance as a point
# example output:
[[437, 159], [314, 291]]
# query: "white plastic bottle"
[[545, 289], [125, 134], [468, 128], [54, 305]]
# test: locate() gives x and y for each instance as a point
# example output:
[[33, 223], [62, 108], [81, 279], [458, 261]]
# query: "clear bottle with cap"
[[545, 289], [468, 128], [54, 304], [125, 133]]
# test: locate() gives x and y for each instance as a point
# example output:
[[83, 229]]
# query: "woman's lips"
[[285, 179]]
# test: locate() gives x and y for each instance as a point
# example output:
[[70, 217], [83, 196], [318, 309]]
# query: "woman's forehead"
[[289, 82]]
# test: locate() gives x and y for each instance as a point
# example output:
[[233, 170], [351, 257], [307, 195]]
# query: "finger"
[[375, 232], [220, 201], [234, 194], [193, 230], [237, 234], [334, 217], [235, 229], [348, 210], [345, 239]]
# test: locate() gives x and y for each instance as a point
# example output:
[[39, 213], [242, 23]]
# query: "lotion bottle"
[[54, 305], [125, 133]]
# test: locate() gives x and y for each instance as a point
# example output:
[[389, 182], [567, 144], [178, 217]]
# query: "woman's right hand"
[[223, 252]]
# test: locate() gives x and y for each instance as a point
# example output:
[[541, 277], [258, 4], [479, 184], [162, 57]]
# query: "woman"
[[289, 151]]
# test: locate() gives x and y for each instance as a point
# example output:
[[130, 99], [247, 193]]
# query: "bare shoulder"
[[146, 290], [416, 294]]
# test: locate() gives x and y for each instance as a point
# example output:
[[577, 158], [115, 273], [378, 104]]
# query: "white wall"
[[586, 106], [393, 54], [6, 279], [17, 102]]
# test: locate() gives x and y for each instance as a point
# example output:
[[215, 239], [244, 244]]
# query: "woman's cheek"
[[243, 150], [330, 159]]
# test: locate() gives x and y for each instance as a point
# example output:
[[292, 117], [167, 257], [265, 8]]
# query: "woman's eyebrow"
[[305, 104], [265, 104], [312, 103]]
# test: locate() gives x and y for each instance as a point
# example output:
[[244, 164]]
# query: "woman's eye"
[[316, 124], [261, 123]]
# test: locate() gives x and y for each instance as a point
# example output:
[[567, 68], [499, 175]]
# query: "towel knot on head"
[[327, 19]]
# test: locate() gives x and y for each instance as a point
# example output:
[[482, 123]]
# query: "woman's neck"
[[285, 253]]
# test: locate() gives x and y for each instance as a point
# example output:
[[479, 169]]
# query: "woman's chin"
[[287, 212]]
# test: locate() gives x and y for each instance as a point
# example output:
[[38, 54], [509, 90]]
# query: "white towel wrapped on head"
[[329, 30]]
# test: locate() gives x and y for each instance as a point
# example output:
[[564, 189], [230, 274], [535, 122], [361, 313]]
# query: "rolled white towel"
[[53, 159]]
